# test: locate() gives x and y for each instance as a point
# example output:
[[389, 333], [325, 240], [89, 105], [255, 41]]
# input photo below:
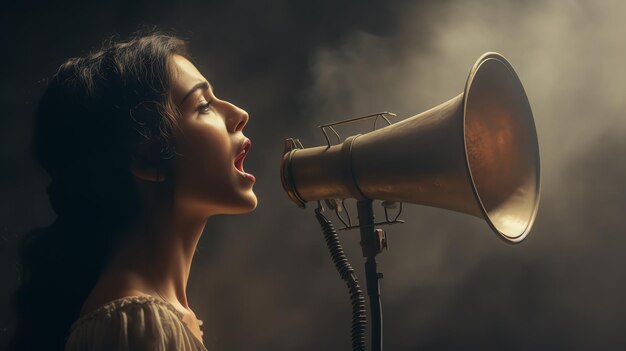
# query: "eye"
[[205, 107]]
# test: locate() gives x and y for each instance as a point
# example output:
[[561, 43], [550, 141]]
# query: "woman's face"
[[208, 170]]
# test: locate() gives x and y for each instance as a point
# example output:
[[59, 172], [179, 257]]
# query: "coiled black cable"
[[359, 313]]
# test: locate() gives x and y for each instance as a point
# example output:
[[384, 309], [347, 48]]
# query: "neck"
[[157, 256]]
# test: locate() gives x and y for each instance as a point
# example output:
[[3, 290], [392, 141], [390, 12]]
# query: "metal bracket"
[[331, 126], [381, 237], [349, 225]]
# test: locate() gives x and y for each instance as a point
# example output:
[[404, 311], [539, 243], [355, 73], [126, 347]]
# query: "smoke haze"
[[449, 286]]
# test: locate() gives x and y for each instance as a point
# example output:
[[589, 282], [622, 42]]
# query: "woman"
[[140, 153]]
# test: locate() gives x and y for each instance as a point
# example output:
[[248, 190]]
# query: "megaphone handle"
[[370, 247]]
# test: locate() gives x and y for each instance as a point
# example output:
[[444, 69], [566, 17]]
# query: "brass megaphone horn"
[[476, 153]]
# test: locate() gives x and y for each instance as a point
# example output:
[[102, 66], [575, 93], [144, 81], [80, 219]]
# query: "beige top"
[[138, 323]]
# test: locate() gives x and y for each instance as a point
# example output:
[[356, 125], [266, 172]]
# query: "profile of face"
[[210, 147]]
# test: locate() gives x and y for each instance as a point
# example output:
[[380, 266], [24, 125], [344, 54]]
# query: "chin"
[[251, 205], [247, 204]]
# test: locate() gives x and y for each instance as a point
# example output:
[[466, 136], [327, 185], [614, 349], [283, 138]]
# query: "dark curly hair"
[[94, 117]]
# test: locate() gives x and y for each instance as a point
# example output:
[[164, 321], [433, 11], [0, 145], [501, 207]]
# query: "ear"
[[142, 168]]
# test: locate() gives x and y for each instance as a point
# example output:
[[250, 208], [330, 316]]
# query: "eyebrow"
[[204, 85]]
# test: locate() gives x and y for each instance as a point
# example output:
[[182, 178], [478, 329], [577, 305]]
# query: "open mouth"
[[245, 148]]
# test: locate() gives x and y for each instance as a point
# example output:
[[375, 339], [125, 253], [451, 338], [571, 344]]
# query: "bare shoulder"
[[98, 299], [110, 289]]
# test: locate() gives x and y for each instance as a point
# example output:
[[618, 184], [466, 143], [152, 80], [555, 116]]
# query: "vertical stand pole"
[[370, 247]]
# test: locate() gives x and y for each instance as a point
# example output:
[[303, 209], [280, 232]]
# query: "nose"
[[237, 118], [244, 117]]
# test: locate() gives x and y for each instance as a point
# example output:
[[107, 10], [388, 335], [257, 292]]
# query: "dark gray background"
[[264, 281]]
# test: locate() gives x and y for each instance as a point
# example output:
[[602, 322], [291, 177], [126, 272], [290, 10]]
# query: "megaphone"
[[476, 153]]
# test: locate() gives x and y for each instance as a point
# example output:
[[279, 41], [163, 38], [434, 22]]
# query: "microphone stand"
[[372, 242]]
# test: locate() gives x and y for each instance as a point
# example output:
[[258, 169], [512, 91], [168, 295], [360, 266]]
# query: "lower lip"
[[248, 176]]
